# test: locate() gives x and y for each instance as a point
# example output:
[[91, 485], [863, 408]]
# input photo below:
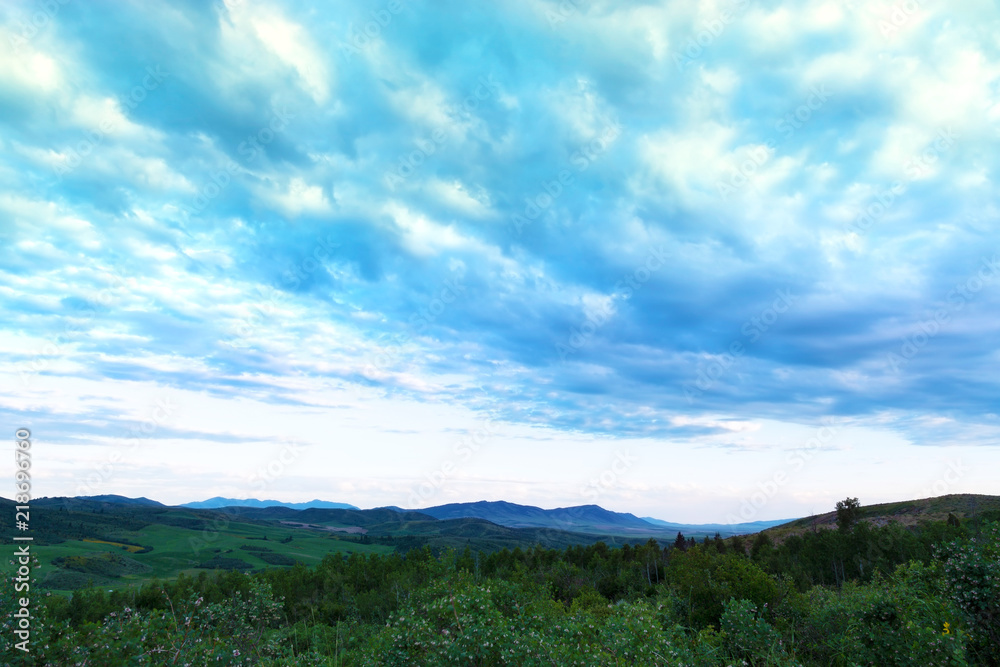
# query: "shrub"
[[898, 622], [972, 580], [747, 637]]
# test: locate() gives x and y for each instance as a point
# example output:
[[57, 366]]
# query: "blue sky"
[[700, 261]]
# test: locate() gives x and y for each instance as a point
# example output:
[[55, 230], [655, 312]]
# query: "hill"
[[525, 516], [117, 542], [219, 501], [907, 513], [587, 519], [121, 500]]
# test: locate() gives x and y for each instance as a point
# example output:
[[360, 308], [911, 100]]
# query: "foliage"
[[221, 563], [749, 638], [848, 511], [901, 596], [972, 578], [900, 621], [106, 564]]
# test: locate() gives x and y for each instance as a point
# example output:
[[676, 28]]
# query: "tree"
[[848, 513], [680, 542], [761, 546]]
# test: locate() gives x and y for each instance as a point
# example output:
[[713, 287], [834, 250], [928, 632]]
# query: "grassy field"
[[176, 550]]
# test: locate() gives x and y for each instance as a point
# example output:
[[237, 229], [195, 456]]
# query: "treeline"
[[862, 595]]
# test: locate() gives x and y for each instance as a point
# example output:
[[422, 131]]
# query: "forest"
[[858, 594]]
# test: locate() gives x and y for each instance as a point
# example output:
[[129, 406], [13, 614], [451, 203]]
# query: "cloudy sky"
[[700, 261]]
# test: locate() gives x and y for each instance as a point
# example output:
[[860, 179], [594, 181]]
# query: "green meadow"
[[120, 559]]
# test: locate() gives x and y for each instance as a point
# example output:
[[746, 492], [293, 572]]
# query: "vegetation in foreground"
[[859, 595]]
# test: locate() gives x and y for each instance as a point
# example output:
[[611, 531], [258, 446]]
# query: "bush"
[[221, 563], [899, 622], [706, 580], [972, 580], [275, 559], [747, 637], [459, 623]]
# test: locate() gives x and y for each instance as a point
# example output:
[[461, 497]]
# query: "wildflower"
[[947, 628]]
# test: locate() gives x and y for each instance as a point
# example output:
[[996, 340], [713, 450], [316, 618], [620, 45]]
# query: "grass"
[[176, 550]]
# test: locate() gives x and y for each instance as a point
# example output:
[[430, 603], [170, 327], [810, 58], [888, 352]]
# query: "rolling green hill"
[[113, 543], [907, 513]]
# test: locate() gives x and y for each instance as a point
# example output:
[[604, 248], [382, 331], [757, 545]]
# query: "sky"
[[706, 262]]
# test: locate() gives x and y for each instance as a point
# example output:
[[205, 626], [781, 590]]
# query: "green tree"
[[848, 513]]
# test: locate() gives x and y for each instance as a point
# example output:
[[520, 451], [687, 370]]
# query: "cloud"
[[454, 198]]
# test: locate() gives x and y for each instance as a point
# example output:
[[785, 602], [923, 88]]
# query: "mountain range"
[[586, 519], [219, 501]]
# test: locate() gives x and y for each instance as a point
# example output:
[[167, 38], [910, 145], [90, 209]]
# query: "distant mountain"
[[724, 529], [526, 516], [582, 519], [122, 500], [219, 501], [590, 519]]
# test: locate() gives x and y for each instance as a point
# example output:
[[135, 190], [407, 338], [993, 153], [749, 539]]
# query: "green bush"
[[706, 580], [275, 559], [972, 578], [459, 623], [747, 637], [885, 623]]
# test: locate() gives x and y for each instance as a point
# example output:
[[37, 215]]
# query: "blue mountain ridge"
[[219, 501], [587, 518], [581, 518]]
